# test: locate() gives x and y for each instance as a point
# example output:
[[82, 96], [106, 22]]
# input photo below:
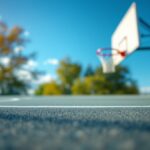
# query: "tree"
[[99, 83], [79, 87], [12, 60], [51, 88], [89, 71], [90, 85], [68, 72], [119, 82]]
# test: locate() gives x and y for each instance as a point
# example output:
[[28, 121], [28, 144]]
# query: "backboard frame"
[[126, 36]]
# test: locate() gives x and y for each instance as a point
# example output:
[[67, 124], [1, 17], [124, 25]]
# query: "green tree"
[[79, 87], [89, 71], [51, 88], [119, 82], [12, 60], [68, 72], [90, 85]]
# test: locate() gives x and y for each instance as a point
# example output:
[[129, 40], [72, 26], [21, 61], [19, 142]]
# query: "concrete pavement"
[[39, 123]]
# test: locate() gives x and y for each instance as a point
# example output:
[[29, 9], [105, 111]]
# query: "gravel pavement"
[[74, 128]]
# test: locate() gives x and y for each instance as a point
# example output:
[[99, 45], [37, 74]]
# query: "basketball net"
[[107, 64]]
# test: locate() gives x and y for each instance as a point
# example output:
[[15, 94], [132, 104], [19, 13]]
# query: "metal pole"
[[145, 24], [145, 35], [143, 49]]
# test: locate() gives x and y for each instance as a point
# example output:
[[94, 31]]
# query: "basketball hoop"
[[105, 56]]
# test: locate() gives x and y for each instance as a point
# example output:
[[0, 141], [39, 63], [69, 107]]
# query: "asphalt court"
[[75, 101]]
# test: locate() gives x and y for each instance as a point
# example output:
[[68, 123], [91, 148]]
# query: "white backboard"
[[126, 36]]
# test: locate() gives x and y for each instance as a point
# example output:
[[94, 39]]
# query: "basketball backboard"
[[126, 36]]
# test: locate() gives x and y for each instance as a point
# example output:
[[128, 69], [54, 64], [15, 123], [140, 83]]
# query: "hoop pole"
[[144, 23], [143, 49], [145, 35]]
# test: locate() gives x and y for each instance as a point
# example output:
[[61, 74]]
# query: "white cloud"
[[27, 76], [5, 61], [31, 64], [24, 75], [18, 49], [26, 33], [52, 61], [145, 90], [43, 79]]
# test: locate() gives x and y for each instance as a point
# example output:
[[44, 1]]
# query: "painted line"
[[10, 100], [74, 106]]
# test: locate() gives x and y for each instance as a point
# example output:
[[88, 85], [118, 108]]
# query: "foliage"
[[90, 85], [68, 72], [89, 71], [11, 60], [79, 87], [119, 82], [99, 83], [51, 88], [93, 82]]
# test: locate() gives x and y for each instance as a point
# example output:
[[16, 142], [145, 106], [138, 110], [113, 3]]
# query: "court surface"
[[75, 122], [75, 101]]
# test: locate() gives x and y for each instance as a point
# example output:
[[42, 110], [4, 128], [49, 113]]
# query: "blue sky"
[[75, 29]]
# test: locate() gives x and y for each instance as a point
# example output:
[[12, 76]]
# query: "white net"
[[107, 64]]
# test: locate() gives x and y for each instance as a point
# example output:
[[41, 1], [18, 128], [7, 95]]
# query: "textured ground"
[[75, 128], [128, 100]]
